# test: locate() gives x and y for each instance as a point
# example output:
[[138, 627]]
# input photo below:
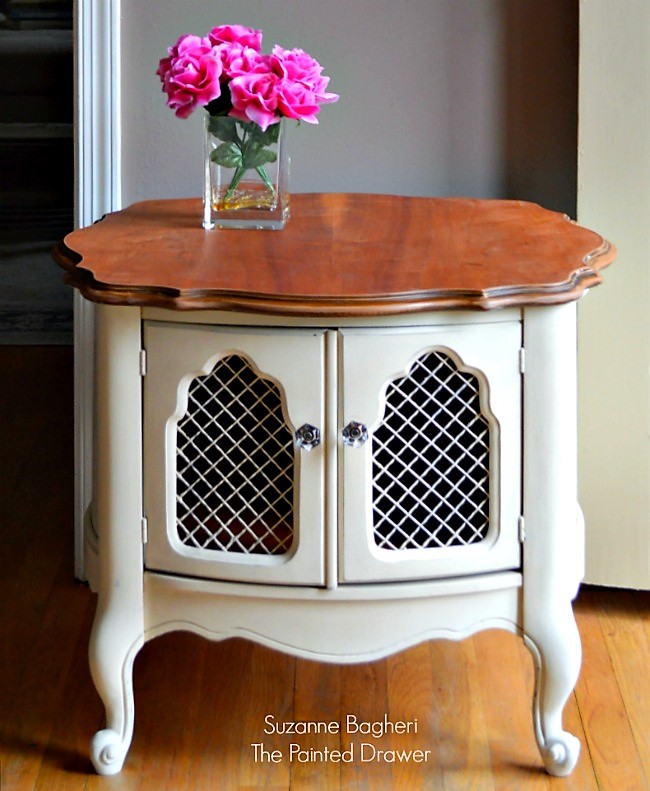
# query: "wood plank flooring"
[[200, 706]]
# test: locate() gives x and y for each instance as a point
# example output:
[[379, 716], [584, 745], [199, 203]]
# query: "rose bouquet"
[[246, 94]]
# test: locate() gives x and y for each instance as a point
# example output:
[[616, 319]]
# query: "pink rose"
[[228, 66], [303, 88], [297, 65], [236, 60], [296, 100], [236, 34], [190, 75], [254, 98]]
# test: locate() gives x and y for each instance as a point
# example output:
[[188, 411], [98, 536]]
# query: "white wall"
[[614, 320], [432, 94]]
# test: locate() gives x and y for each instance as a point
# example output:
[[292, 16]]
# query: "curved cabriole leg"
[[118, 629], [111, 665], [557, 656], [553, 549]]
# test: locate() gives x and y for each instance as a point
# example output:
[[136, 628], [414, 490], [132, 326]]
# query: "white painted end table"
[[363, 426]]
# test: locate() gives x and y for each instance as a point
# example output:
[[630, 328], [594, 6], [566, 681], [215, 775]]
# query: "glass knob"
[[354, 434], [307, 437]]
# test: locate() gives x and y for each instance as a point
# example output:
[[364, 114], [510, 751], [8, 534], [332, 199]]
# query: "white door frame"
[[98, 191]]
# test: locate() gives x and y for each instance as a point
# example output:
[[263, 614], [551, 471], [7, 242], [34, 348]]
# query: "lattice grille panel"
[[431, 460], [234, 464]]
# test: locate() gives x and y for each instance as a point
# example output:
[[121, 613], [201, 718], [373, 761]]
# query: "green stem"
[[240, 170], [265, 178], [234, 182], [244, 144]]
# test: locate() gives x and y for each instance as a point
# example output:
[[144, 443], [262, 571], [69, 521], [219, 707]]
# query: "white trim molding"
[[98, 191], [97, 42]]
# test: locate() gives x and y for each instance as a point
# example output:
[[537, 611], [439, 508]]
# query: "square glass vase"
[[246, 174]]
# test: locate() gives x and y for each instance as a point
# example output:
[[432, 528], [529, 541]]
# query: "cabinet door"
[[434, 490], [228, 494]]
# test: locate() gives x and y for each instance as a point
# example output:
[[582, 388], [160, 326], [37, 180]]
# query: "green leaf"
[[256, 157], [228, 155], [224, 128], [267, 138]]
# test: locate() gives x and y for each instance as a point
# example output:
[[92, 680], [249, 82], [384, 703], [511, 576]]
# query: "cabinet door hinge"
[[522, 529], [522, 360], [144, 528], [143, 362]]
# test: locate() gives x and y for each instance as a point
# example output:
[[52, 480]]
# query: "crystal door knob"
[[307, 437], [354, 434]]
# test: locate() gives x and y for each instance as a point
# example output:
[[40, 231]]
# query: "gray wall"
[[438, 97]]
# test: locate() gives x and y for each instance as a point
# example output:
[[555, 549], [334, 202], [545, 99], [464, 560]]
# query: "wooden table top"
[[339, 255]]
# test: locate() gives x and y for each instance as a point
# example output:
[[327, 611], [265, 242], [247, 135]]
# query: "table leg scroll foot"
[[556, 653], [560, 755], [108, 751]]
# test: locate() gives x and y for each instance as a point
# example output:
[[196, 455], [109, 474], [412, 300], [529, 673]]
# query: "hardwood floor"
[[201, 705]]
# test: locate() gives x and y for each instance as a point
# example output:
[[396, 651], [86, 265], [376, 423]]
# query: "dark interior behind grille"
[[431, 460], [235, 464]]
